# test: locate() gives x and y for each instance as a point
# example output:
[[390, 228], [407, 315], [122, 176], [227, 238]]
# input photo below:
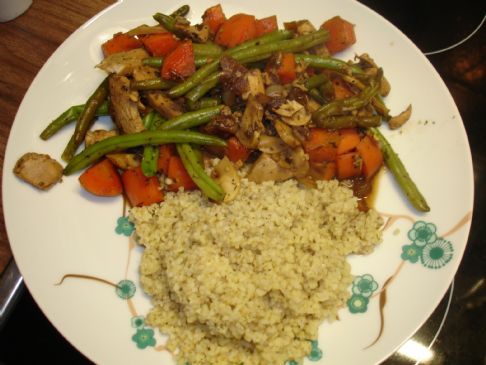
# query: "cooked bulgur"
[[250, 281]]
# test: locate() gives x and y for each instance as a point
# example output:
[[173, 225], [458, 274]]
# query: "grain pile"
[[250, 281]]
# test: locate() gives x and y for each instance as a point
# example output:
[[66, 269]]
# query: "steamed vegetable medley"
[[199, 106]]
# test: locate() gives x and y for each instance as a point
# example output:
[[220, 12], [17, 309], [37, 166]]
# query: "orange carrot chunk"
[[160, 44], [140, 189], [236, 151], [179, 63], [214, 17], [235, 30], [321, 145], [179, 175], [348, 165], [120, 43], [166, 151], [266, 25], [371, 155], [341, 34], [341, 91], [102, 179], [349, 140], [286, 70]]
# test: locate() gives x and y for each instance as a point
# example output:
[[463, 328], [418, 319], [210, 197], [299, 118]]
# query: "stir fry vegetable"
[[238, 89]]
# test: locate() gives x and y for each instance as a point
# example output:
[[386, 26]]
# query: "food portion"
[[246, 153], [39, 170], [251, 280]]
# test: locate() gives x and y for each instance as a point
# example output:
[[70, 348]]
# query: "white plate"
[[66, 231]]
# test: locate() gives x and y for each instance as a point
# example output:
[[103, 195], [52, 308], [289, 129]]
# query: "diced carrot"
[[323, 153], [235, 30], [102, 179], [349, 140], [341, 91], [214, 17], [266, 25], [371, 155], [348, 165], [286, 70], [160, 44], [166, 151], [179, 63], [140, 189], [341, 34], [179, 175], [321, 145], [236, 151], [323, 171], [120, 43]]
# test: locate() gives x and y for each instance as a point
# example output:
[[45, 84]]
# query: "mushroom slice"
[[39, 170], [123, 63], [226, 175], [124, 108], [400, 119], [251, 125], [285, 132], [293, 113], [266, 168]]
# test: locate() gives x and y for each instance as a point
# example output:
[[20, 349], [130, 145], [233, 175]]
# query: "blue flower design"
[[124, 226], [435, 255], [357, 303], [411, 253], [138, 322], [316, 352], [125, 289], [422, 233], [144, 337], [364, 285]]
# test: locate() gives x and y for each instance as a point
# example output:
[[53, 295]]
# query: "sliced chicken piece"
[[124, 105], [39, 170], [266, 168], [124, 161], [123, 63], [251, 126], [199, 33], [167, 107], [98, 135]]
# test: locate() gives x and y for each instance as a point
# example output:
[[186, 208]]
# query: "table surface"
[[28, 41]]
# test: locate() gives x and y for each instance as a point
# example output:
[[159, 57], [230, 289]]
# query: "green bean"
[[350, 121], [195, 79], [207, 49], [316, 95], [278, 35], [346, 105], [70, 115], [182, 11], [191, 119], [395, 165], [152, 84], [85, 120], [157, 62], [120, 143], [150, 152], [203, 103], [328, 63], [153, 61], [166, 21], [207, 185], [315, 81], [290, 45], [201, 89]]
